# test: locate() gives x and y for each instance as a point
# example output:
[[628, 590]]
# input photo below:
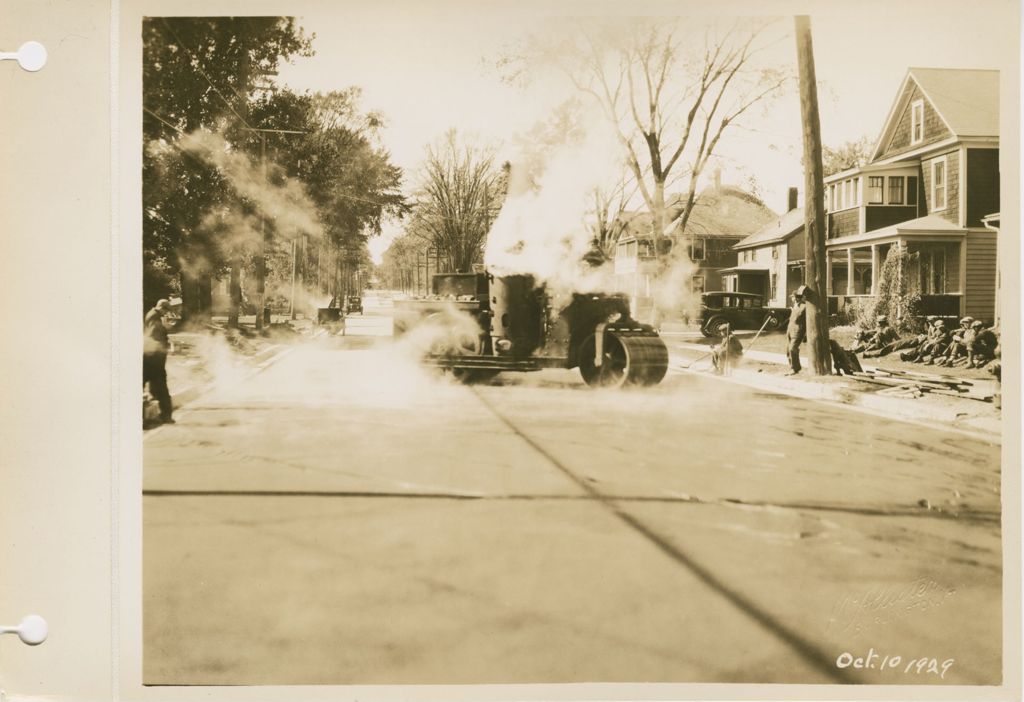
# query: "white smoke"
[[280, 199], [541, 227]]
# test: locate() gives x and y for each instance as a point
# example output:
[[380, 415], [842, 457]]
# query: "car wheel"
[[772, 323], [711, 327]]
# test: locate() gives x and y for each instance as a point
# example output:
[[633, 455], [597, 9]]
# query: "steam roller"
[[481, 324]]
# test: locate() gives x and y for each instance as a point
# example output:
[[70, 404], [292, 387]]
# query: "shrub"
[[899, 296]]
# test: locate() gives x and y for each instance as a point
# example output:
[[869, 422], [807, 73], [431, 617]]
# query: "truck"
[[476, 325]]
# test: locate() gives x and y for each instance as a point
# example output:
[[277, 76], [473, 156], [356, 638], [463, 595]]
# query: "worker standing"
[[796, 332], [155, 345]]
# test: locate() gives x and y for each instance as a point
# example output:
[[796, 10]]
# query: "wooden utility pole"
[[816, 300], [261, 249]]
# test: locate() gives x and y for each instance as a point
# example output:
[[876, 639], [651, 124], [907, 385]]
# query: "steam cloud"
[[541, 230]]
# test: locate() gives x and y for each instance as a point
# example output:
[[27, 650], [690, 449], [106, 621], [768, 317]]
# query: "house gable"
[[896, 134]]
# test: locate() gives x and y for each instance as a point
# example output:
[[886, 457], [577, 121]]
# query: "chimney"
[[791, 201]]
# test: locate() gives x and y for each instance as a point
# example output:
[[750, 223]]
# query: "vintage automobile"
[[353, 304], [740, 310]]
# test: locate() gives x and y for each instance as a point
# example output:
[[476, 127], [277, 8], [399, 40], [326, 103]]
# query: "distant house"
[[721, 217], [932, 178], [771, 260]]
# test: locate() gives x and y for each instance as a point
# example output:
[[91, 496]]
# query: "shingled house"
[[770, 262], [932, 178], [721, 217]]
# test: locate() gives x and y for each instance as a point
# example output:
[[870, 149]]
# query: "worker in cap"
[[936, 346], [959, 340], [796, 330], [155, 346], [981, 345], [914, 345], [877, 341], [728, 352]]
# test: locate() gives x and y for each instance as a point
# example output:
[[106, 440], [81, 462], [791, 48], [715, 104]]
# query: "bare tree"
[[607, 217], [460, 193], [671, 104]]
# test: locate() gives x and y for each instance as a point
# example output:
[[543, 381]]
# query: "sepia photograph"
[[499, 344]]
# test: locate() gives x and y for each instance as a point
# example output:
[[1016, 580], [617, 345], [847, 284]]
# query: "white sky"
[[424, 65]]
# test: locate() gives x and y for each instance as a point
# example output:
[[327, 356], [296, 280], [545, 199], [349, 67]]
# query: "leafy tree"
[[197, 72], [851, 154], [338, 157]]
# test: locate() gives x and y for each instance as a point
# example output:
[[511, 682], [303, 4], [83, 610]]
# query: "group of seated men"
[[972, 343]]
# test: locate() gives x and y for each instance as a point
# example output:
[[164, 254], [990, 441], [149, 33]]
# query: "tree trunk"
[[235, 291], [658, 226], [816, 301], [196, 296]]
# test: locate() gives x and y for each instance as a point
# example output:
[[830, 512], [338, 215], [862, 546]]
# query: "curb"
[[987, 428], [261, 361]]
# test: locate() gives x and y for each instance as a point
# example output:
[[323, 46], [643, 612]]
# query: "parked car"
[[354, 304], [740, 310]]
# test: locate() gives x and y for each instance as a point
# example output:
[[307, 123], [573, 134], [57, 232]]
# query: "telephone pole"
[[261, 255], [816, 301]]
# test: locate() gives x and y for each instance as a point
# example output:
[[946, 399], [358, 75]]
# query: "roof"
[[747, 268], [721, 212], [931, 224], [966, 99], [776, 231]]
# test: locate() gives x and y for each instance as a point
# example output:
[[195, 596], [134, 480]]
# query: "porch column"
[[828, 273], [850, 289], [875, 271]]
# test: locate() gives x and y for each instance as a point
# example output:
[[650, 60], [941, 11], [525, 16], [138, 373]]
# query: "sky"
[[428, 66]]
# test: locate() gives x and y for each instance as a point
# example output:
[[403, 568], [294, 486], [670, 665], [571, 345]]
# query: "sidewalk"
[[765, 371], [197, 357]]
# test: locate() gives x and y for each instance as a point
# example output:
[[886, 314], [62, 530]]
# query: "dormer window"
[[939, 184], [917, 122]]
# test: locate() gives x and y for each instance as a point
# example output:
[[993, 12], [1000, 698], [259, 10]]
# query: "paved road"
[[345, 518]]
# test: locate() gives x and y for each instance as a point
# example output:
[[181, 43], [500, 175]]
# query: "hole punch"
[[31, 56], [32, 630]]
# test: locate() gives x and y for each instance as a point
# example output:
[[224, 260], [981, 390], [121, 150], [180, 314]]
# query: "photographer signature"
[[883, 605]]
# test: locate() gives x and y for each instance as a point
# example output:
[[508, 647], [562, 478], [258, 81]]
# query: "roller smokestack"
[[791, 200]]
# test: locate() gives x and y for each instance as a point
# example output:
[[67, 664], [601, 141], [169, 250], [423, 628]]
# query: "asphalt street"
[[345, 517]]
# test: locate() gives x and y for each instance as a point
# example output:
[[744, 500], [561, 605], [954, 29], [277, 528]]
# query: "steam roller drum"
[[626, 360]]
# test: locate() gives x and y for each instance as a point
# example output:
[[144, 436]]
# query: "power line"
[[162, 120]]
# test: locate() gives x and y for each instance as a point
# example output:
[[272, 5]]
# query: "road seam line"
[[803, 647]]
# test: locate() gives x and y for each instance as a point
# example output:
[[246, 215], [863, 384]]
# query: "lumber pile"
[[901, 383]]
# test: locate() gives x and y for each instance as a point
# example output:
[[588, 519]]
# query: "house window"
[[895, 190], [856, 191], [875, 184], [697, 284], [774, 285], [917, 122], [911, 190], [697, 250], [939, 268], [775, 252], [834, 204], [939, 184]]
